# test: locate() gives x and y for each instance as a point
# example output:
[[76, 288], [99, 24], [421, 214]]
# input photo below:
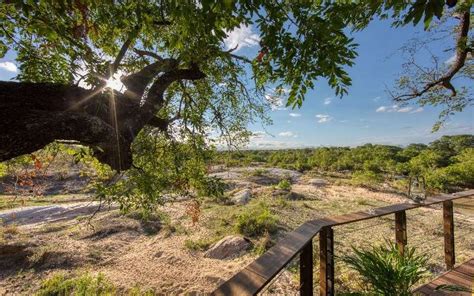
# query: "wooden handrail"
[[253, 278]]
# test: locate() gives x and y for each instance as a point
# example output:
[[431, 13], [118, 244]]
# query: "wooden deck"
[[463, 275]]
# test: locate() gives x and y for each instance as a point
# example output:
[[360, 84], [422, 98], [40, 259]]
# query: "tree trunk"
[[35, 114]]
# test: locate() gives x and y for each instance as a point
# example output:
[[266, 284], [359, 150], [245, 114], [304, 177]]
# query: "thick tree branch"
[[35, 114], [148, 53]]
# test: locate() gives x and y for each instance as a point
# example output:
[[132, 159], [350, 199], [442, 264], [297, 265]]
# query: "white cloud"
[[258, 135], [396, 108], [287, 134], [8, 66], [295, 115], [327, 101], [376, 99], [241, 37], [418, 110], [405, 109], [323, 118]]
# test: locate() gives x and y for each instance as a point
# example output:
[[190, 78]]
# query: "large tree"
[[180, 79]]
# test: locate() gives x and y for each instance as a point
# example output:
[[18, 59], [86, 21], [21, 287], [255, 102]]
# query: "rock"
[[286, 194], [284, 174], [264, 180], [318, 182], [228, 247], [242, 197]]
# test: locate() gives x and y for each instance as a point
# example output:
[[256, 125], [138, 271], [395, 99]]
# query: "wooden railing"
[[253, 278]]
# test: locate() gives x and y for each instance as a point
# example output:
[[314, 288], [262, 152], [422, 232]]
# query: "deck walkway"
[[463, 275]]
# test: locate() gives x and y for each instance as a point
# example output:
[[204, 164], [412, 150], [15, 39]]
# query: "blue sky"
[[367, 114], [325, 120]]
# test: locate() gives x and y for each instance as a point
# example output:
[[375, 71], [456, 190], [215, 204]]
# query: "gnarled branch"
[[462, 50]]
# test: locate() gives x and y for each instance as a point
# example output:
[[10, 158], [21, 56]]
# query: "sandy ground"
[[34, 216]]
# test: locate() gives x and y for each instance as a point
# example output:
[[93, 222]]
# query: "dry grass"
[[171, 261]]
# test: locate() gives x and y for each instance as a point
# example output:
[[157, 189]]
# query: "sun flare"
[[114, 83]]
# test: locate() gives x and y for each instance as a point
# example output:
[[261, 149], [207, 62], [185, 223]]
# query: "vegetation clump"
[[256, 221], [386, 271], [284, 184], [86, 284]]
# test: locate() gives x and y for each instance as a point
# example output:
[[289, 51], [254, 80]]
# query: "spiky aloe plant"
[[386, 270]]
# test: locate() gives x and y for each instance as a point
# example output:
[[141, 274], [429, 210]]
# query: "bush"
[[366, 178], [257, 221], [86, 284], [284, 184], [212, 187], [386, 271]]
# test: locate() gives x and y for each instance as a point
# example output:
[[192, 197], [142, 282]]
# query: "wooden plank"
[[462, 275], [401, 230], [266, 267], [306, 270], [326, 262], [448, 225]]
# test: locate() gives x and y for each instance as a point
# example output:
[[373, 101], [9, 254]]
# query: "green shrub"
[[212, 187], [284, 184], [366, 178], [86, 284], [386, 271], [257, 221]]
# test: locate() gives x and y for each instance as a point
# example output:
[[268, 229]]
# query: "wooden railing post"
[[401, 230], [306, 270], [448, 223], [326, 262]]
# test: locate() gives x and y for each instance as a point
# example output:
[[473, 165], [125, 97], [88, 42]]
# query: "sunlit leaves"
[[306, 41]]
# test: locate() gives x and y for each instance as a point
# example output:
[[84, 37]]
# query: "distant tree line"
[[446, 164]]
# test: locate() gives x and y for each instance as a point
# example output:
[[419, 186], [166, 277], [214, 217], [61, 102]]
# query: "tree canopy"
[[181, 82]]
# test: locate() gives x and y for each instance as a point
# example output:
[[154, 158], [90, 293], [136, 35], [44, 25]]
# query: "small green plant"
[[284, 184], [386, 271], [137, 291], [60, 285], [256, 221]]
